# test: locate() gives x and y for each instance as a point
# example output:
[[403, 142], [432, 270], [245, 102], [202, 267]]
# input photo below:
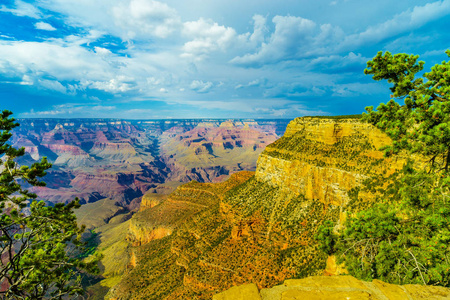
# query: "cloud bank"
[[125, 56]]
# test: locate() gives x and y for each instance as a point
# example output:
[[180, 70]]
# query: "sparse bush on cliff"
[[327, 237], [404, 237], [40, 245]]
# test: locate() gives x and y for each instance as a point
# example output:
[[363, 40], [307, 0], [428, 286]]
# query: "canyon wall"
[[323, 158], [124, 159], [255, 227]]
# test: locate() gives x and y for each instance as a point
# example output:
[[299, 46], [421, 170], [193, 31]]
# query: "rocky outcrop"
[[325, 158], [252, 229], [334, 288], [159, 215], [190, 215], [144, 234], [115, 151], [33, 151], [118, 186], [69, 155], [150, 200]]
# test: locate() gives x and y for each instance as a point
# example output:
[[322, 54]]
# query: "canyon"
[[256, 227], [211, 209], [95, 159]]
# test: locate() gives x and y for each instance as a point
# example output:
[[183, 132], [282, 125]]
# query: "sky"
[[145, 59]]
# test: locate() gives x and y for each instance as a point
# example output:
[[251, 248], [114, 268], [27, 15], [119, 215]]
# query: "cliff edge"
[[335, 288], [323, 159], [255, 227]]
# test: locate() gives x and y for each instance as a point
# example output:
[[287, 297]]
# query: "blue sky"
[[148, 59]]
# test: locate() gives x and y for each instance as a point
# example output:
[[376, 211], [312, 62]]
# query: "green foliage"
[[40, 244], [404, 237], [326, 237], [422, 125]]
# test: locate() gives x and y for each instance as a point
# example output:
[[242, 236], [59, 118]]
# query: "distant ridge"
[[98, 158]]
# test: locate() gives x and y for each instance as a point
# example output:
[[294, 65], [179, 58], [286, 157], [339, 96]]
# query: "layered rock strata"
[[122, 160], [324, 159], [261, 228]]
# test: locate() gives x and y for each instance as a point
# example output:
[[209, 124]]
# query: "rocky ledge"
[[334, 288]]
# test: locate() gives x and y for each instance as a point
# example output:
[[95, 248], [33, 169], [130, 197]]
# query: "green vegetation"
[[96, 214], [297, 147], [290, 221], [110, 240], [41, 250], [422, 125], [237, 231], [404, 237]]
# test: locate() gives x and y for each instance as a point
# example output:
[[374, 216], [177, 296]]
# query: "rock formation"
[[255, 227], [103, 158], [334, 288], [324, 158]]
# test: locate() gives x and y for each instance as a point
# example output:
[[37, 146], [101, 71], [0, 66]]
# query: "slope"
[[260, 228]]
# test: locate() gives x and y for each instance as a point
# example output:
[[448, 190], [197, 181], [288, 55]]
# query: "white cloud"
[[154, 81], [230, 104], [253, 83], [400, 23], [355, 89], [23, 9], [102, 51], [103, 108], [57, 110], [44, 26], [337, 63], [72, 109], [342, 91], [291, 35], [286, 57], [430, 11], [26, 80], [53, 85], [120, 84], [296, 38], [259, 30], [328, 36], [143, 17], [201, 87], [128, 19], [262, 107], [63, 61], [439, 52], [207, 36]]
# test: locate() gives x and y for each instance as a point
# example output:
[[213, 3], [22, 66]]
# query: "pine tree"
[[41, 251], [404, 237]]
